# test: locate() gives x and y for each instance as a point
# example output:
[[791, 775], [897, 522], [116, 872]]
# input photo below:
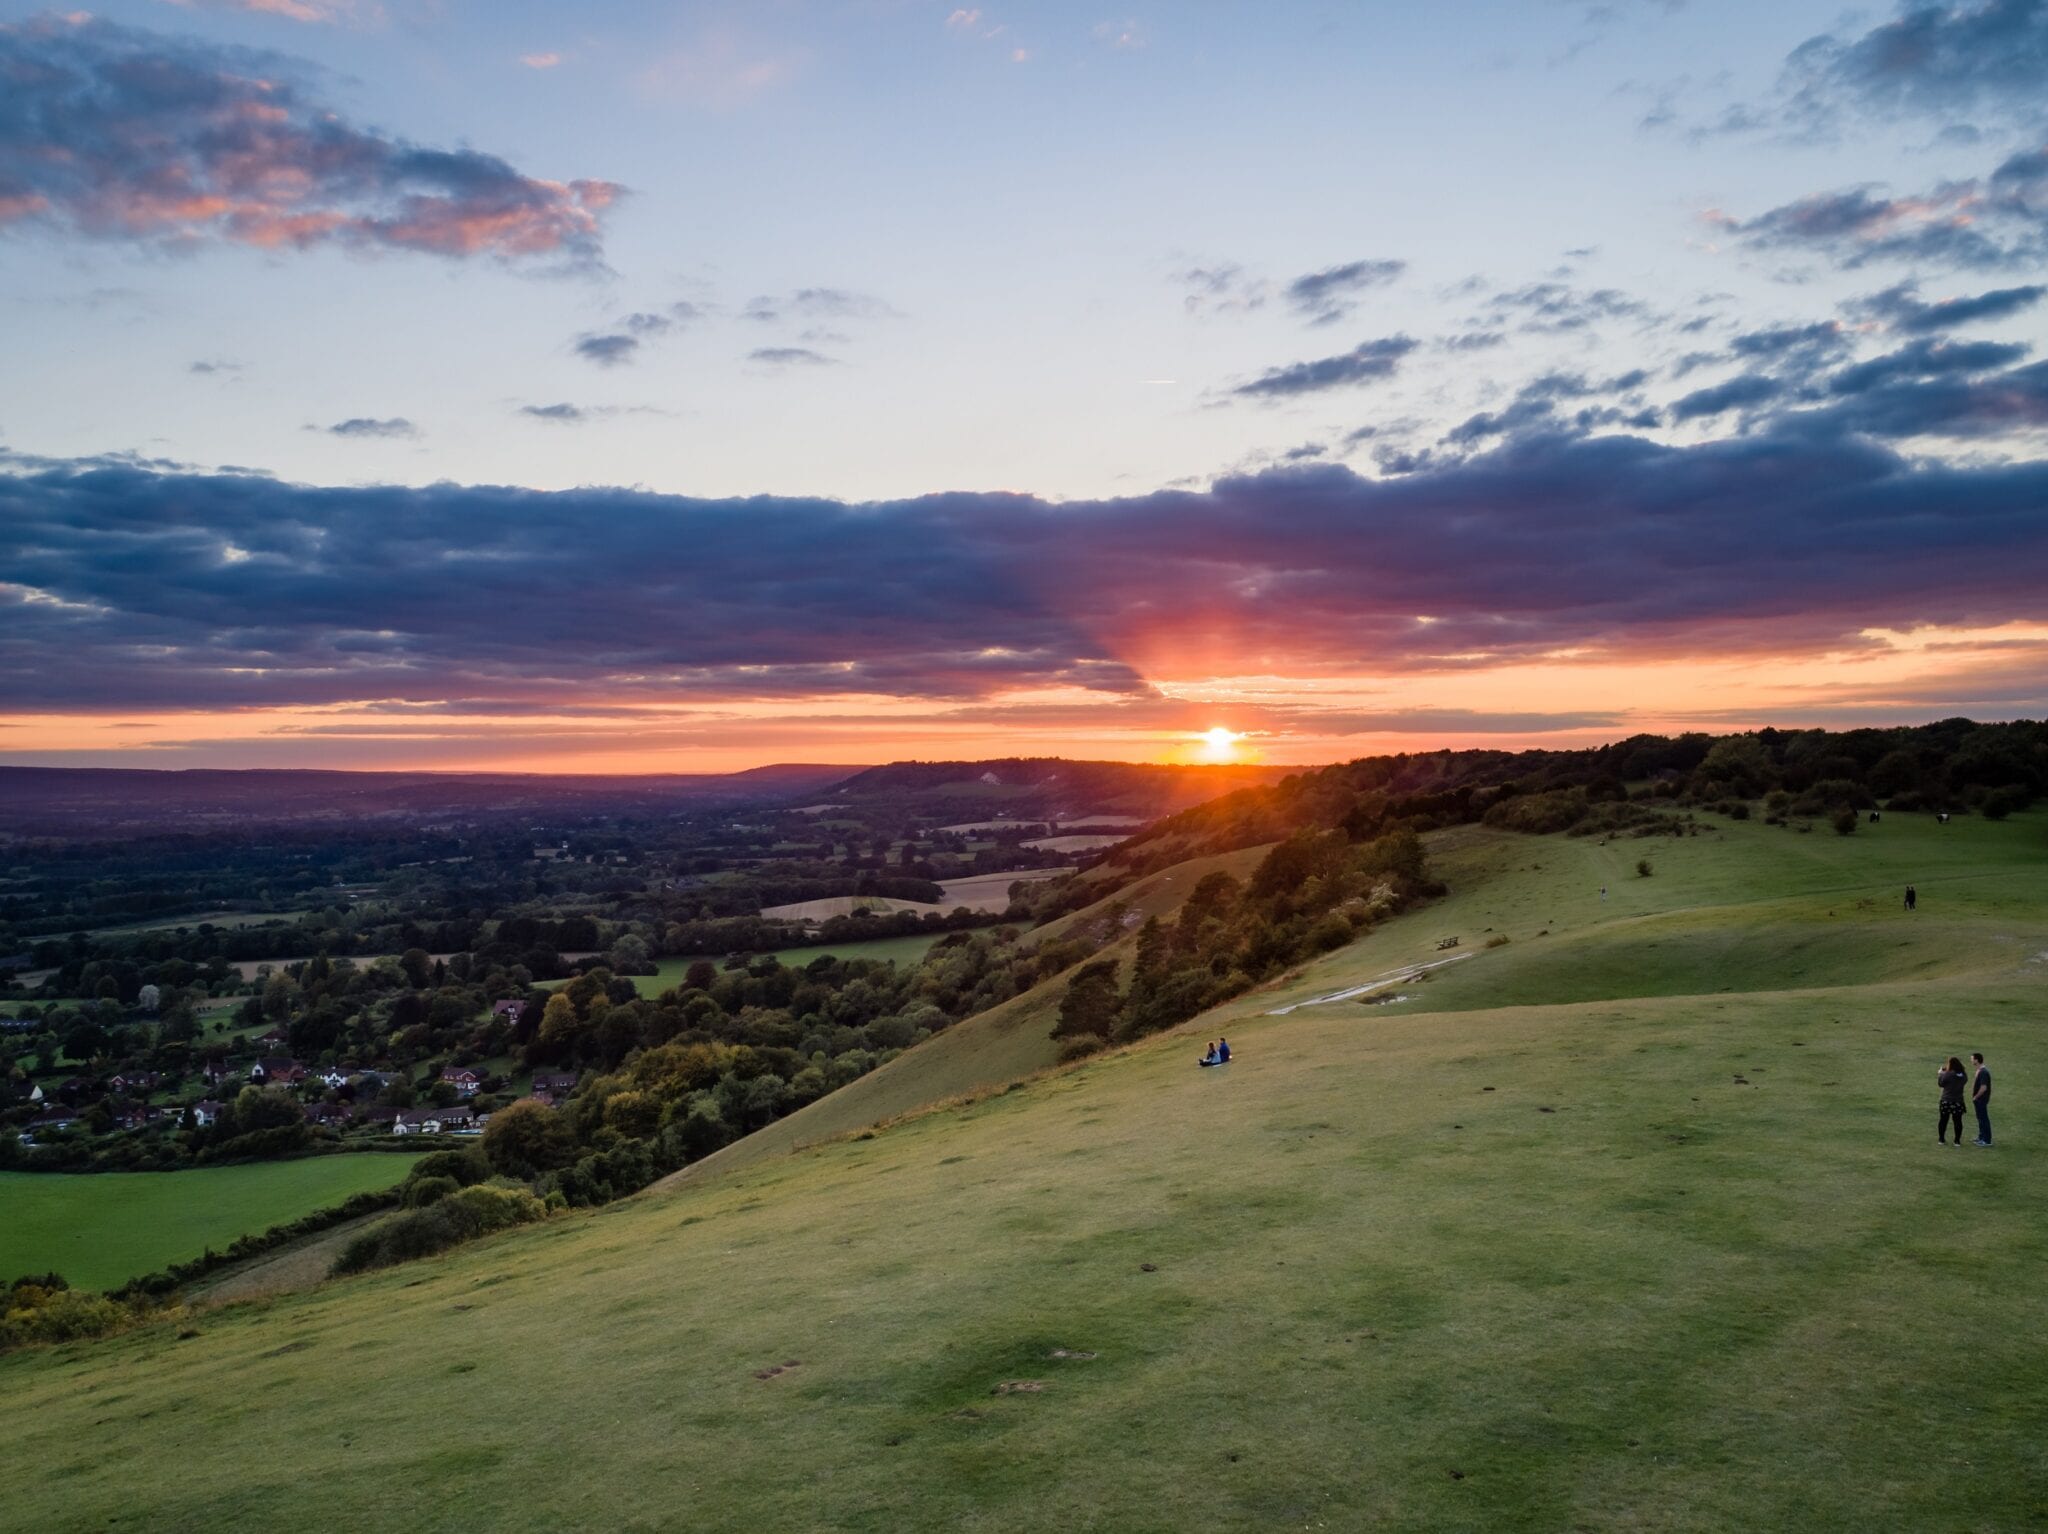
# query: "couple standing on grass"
[[1952, 1078]]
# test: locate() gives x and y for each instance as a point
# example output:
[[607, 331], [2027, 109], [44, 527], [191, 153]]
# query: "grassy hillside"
[[1660, 1259], [105, 1228]]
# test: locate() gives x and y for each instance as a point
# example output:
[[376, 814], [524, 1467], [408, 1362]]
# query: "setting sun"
[[1219, 745]]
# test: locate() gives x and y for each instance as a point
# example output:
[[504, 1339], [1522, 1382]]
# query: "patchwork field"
[[896, 950], [1634, 1225], [101, 1229]]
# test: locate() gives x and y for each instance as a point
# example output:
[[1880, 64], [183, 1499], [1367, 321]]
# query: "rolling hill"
[[1630, 1221]]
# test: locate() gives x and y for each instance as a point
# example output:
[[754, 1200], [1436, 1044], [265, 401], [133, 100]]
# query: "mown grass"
[[101, 1229], [1650, 1261]]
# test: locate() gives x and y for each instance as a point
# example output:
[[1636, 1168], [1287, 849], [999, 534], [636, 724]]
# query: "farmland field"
[[900, 950], [104, 1228]]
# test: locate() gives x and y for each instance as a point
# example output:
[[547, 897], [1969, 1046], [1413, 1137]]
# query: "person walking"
[[1912, 897], [1951, 1078], [1980, 1095]]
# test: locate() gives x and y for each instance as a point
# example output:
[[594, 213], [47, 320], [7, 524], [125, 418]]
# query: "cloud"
[[1535, 408], [215, 367], [1125, 34], [112, 133], [1937, 59], [130, 586], [326, 12], [621, 340], [1557, 306], [789, 356], [1473, 341], [1925, 359], [563, 414], [1982, 223], [819, 304], [1222, 289], [540, 60], [607, 351], [1743, 393], [1902, 308], [1331, 295], [366, 426], [1367, 362]]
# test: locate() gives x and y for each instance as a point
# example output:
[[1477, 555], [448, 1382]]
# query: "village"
[[344, 1099]]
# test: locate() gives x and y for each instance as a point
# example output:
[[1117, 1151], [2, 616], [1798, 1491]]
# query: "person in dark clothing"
[[1912, 897], [1980, 1094], [1951, 1078], [1223, 1051]]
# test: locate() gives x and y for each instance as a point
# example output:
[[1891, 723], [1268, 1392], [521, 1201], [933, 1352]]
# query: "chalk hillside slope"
[[1633, 1221]]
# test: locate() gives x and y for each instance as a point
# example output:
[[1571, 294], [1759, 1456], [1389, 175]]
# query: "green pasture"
[[898, 950], [103, 1228], [1637, 1225]]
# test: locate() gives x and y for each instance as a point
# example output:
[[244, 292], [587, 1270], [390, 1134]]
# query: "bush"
[[467, 1166], [458, 1217], [1643, 868], [420, 1192], [47, 1310], [1539, 814], [2001, 802], [1844, 821], [1081, 1047]]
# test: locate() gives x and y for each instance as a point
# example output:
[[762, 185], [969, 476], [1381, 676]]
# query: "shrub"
[[1539, 814], [1844, 821], [467, 1166], [458, 1217], [1643, 869], [1739, 810], [1081, 1047], [420, 1192], [47, 1310], [2001, 802]]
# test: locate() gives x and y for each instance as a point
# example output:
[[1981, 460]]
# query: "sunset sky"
[[686, 387]]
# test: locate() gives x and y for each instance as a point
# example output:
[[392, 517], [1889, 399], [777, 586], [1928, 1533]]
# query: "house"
[[277, 1038], [276, 1071], [465, 1081], [27, 1092], [378, 1117], [56, 1118], [328, 1115], [556, 1084], [206, 1112], [433, 1121], [216, 1070], [508, 1010], [141, 1081], [135, 1116]]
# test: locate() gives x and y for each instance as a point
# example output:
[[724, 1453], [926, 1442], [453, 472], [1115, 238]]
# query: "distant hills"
[[102, 802], [96, 801]]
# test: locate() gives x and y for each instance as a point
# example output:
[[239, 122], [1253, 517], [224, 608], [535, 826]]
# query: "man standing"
[[1980, 1094]]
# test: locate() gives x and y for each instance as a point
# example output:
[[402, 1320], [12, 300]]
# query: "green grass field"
[[102, 1229], [1637, 1225], [899, 950]]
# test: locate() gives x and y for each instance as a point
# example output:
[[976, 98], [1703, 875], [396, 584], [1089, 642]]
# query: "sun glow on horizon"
[[1219, 745]]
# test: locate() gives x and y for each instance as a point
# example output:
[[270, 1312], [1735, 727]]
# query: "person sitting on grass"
[[1223, 1051], [1209, 1055]]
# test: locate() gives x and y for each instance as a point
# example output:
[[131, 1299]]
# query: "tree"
[[1091, 1003], [527, 1139]]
